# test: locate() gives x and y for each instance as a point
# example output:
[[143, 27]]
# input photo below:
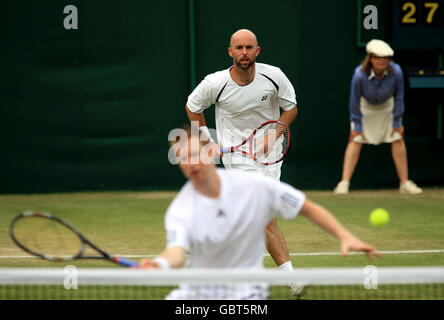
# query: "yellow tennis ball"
[[379, 217]]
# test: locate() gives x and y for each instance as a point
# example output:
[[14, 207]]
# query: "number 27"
[[410, 9]]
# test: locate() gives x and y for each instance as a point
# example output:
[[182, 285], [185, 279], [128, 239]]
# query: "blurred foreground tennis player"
[[219, 218]]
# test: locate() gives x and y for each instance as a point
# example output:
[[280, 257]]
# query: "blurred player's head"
[[379, 54], [194, 154], [244, 49]]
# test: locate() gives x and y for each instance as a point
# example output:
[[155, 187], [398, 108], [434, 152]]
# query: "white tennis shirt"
[[241, 109], [229, 231]]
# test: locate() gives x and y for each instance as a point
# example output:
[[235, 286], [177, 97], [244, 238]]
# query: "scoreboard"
[[418, 24], [405, 24]]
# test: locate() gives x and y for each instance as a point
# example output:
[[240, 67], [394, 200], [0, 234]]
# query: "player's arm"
[[288, 116], [173, 257], [324, 219], [200, 118], [196, 117], [267, 143]]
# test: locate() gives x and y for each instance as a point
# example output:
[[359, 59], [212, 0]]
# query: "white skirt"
[[377, 123]]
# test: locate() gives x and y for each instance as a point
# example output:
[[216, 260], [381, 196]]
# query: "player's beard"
[[247, 66]]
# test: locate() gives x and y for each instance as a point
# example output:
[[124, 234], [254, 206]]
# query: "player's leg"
[[275, 241], [351, 158], [399, 154], [276, 245]]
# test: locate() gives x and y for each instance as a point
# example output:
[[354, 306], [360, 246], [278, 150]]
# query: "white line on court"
[[293, 254]]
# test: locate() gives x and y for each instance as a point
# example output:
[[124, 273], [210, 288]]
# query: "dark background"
[[90, 109]]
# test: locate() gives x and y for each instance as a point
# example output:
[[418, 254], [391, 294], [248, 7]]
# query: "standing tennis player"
[[246, 95], [219, 217]]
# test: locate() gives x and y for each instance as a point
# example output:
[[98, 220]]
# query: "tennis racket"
[[268, 144], [52, 238]]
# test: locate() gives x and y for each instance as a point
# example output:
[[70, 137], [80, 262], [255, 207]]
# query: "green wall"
[[90, 109]]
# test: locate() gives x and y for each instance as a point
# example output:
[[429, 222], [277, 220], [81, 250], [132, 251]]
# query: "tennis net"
[[369, 283]]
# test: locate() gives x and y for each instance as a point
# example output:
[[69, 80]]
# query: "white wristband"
[[164, 264], [206, 132]]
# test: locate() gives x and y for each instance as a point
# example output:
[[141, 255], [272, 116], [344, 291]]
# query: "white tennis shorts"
[[246, 164]]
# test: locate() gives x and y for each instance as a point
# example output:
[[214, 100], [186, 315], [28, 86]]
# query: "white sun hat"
[[379, 48]]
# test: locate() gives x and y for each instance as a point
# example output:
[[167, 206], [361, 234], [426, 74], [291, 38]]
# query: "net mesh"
[[120, 284]]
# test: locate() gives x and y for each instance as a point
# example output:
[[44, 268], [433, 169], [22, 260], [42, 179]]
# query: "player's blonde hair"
[[189, 133], [181, 145]]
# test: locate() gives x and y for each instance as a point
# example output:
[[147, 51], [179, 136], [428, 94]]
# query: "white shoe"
[[298, 290], [342, 187], [409, 187]]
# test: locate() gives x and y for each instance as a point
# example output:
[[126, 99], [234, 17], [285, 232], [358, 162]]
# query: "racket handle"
[[126, 262], [225, 149]]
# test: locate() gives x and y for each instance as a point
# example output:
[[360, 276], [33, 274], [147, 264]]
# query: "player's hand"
[[148, 264], [215, 150], [266, 144], [351, 243], [210, 152], [400, 130], [354, 134], [261, 148]]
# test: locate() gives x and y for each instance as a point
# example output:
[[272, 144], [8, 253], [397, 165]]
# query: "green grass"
[[132, 223], [349, 292]]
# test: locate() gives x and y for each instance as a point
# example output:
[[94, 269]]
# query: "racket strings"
[[47, 237], [270, 143]]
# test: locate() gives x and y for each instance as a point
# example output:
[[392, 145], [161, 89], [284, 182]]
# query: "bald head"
[[244, 50], [243, 35]]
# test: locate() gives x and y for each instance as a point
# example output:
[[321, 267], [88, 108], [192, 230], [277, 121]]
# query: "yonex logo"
[[220, 213], [264, 98]]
